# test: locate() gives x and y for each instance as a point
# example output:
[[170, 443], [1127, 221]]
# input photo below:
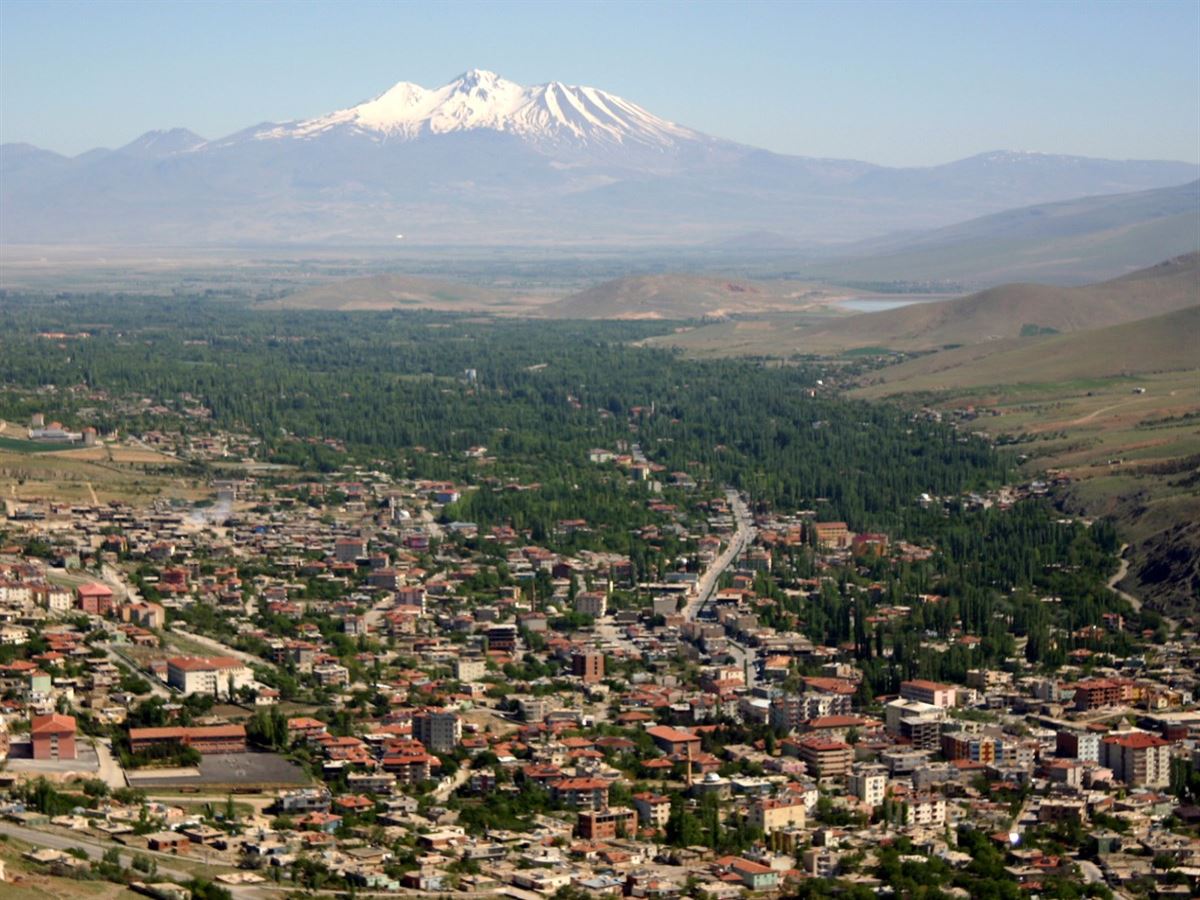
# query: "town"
[[334, 683]]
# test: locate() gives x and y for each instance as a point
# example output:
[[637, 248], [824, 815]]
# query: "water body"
[[879, 304]]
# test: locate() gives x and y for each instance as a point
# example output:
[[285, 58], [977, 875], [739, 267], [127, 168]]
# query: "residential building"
[[588, 665], [653, 809], [440, 731], [591, 603], [469, 669], [831, 535], [53, 736], [926, 810], [869, 784], [1138, 758], [790, 711], [770, 815], [673, 741], [1081, 745], [605, 824], [824, 758], [585, 793], [94, 599]]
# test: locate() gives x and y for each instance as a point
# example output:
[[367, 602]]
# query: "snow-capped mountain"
[[550, 116], [486, 161]]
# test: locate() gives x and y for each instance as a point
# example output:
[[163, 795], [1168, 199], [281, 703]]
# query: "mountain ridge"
[[485, 161]]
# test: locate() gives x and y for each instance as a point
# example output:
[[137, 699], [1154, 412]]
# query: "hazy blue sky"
[[894, 83]]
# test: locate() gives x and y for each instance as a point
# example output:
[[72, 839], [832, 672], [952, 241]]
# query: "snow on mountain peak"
[[547, 115]]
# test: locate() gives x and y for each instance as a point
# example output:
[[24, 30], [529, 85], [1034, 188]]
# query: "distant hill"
[[1071, 242], [377, 292], [1164, 343], [1016, 310], [689, 297]]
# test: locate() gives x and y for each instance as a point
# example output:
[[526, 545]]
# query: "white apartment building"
[[219, 676], [869, 784], [439, 731]]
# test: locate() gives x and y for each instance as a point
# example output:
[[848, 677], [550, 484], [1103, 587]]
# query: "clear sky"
[[894, 83]]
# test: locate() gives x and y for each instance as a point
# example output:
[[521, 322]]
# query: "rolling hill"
[[1014, 310], [690, 297], [1164, 343], [1072, 242], [381, 292]]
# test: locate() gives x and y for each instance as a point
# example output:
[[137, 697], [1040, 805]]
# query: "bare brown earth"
[[675, 296]]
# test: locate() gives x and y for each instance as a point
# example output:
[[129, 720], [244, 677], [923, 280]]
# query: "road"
[[443, 791], [224, 649], [119, 659], [1112, 583], [110, 771], [746, 658], [96, 851], [712, 575]]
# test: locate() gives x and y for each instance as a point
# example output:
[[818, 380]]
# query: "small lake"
[[879, 304]]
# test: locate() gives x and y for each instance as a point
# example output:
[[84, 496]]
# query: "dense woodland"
[[393, 388]]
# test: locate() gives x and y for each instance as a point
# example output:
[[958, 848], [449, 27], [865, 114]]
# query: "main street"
[[742, 537]]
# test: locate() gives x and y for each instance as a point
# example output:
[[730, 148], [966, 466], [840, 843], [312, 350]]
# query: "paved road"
[[157, 688], [96, 851], [746, 658], [443, 791], [223, 649], [110, 771], [712, 575]]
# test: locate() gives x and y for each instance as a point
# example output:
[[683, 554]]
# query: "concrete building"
[[605, 824], [925, 810], [591, 603], [468, 669], [207, 739], [1081, 745], [219, 676], [825, 758], [94, 599], [831, 535], [931, 692], [1138, 758], [869, 784], [53, 736], [653, 809], [439, 731], [770, 815], [790, 711], [585, 793], [588, 665]]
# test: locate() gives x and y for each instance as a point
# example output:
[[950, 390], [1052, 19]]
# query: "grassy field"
[[16, 445], [68, 477]]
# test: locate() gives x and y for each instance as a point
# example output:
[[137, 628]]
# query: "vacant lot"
[[69, 477]]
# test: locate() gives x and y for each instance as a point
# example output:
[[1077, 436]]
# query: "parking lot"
[[230, 769]]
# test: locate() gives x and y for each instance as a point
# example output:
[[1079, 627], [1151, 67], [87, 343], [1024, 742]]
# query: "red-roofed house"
[[94, 599]]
